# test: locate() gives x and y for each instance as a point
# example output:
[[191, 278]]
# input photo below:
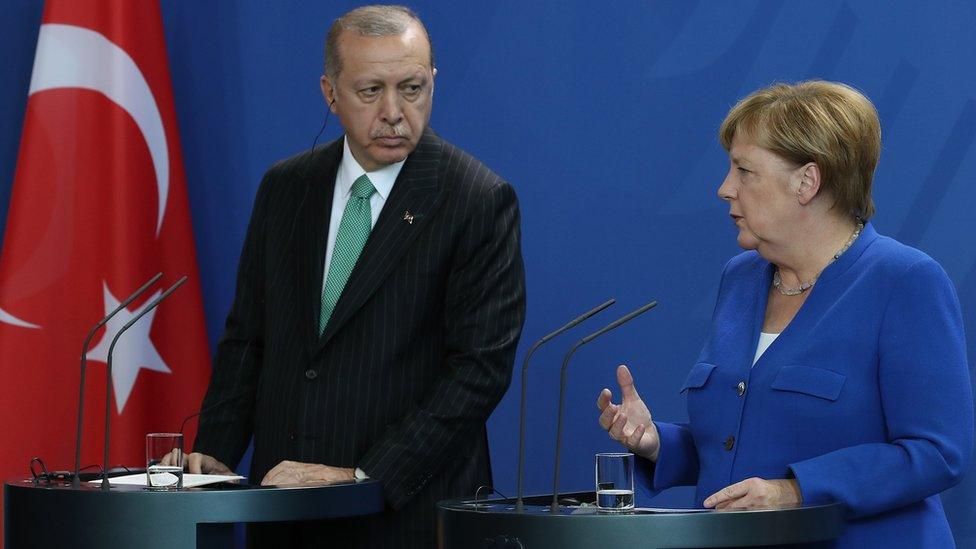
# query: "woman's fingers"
[[633, 441]]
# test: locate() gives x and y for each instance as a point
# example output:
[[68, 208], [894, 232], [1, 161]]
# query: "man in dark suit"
[[380, 298]]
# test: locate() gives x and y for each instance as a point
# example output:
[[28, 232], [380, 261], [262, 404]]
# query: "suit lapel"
[[313, 234], [416, 193], [761, 297]]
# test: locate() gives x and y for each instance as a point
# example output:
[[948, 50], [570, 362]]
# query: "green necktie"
[[357, 220]]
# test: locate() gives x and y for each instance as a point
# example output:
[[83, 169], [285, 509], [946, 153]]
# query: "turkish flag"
[[98, 206]]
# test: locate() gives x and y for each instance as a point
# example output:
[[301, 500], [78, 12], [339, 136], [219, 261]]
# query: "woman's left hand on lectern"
[[756, 493]]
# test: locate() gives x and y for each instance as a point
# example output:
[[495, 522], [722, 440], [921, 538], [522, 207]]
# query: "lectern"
[[469, 524], [59, 517]]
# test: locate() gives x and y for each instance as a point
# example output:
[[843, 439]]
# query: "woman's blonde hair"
[[828, 123]]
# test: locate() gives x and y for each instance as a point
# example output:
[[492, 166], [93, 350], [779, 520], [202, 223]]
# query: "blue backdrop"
[[604, 119]]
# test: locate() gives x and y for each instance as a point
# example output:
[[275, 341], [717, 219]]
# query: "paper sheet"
[[189, 481]]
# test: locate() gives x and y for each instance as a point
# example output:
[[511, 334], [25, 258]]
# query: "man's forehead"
[[413, 41]]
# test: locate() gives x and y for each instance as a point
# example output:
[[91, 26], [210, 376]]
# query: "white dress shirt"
[[765, 340], [349, 171]]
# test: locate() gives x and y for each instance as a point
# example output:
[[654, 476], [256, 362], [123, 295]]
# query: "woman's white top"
[[765, 340]]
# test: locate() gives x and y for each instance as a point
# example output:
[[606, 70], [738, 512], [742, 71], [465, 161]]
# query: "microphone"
[[525, 370], [210, 408], [554, 508], [75, 483], [108, 374]]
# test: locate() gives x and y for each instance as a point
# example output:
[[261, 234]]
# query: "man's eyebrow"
[[419, 75]]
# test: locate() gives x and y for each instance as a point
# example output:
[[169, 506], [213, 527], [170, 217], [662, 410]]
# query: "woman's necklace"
[[797, 290]]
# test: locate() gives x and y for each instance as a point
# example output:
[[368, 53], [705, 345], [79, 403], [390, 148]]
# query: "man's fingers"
[[198, 464], [283, 473], [193, 463], [168, 459], [211, 466], [221, 469], [626, 382], [202, 464], [270, 476]]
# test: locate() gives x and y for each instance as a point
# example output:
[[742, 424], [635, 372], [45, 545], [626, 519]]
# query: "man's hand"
[[757, 493], [293, 473], [629, 422], [197, 464]]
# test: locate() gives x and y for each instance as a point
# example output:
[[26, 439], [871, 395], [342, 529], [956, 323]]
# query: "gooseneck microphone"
[[211, 408], [525, 370], [554, 508], [108, 373], [75, 482]]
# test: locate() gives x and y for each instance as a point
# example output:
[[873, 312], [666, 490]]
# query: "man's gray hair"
[[369, 21]]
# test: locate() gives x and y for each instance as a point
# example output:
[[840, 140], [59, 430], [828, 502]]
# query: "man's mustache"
[[400, 130]]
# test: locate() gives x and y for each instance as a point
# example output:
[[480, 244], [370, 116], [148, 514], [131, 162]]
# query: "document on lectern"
[[189, 481]]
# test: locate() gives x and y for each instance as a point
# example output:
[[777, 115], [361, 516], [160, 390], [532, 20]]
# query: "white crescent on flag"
[[76, 57], [11, 319], [69, 56]]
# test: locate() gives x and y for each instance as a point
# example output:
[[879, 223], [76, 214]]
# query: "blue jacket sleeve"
[[927, 402], [677, 460]]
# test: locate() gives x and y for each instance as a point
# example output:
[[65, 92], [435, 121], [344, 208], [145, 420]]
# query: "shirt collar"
[[350, 170]]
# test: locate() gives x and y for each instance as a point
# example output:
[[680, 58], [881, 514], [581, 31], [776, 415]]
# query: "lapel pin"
[[409, 217]]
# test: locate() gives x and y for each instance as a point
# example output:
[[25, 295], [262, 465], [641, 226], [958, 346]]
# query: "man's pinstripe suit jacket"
[[418, 351]]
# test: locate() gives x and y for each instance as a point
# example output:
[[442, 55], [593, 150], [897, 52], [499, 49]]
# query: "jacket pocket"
[[698, 376], [810, 381]]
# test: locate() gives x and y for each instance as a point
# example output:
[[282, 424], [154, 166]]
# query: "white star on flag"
[[134, 350]]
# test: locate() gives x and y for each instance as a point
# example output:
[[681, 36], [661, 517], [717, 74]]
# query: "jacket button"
[[740, 389], [292, 437], [729, 442], [311, 374]]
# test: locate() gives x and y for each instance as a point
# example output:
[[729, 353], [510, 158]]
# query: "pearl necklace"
[[797, 290]]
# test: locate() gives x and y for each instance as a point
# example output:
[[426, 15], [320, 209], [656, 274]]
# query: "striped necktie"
[[357, 220]]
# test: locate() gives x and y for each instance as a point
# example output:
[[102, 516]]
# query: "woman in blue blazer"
[[835, 368]]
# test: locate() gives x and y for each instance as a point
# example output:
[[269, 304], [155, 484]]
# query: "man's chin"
[[392, 155]]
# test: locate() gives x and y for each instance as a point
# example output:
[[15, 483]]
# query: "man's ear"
[[809, 186], [328, 92]]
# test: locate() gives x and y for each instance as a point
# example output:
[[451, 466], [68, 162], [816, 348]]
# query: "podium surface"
[[58, 516], [465, 524]]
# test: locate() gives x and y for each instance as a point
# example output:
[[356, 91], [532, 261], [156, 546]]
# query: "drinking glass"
[[615, 482], [168, 476]]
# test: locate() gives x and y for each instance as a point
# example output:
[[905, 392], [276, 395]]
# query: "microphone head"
[[616, 323]]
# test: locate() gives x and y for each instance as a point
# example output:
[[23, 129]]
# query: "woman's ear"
[[809, 186]]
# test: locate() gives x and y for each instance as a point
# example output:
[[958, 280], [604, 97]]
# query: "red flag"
[[98, 206]]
